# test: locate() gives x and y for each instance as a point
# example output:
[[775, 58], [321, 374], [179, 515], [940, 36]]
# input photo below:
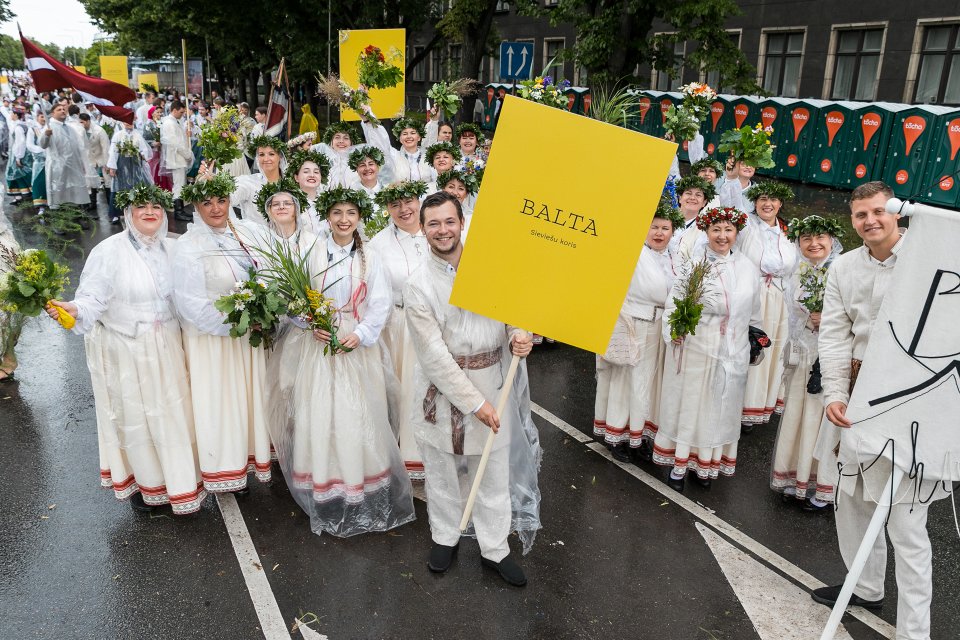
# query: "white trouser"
[[179, 177], [448, 479], [907, 528]]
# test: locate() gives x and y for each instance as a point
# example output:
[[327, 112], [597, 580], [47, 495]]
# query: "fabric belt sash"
[[475, 362]]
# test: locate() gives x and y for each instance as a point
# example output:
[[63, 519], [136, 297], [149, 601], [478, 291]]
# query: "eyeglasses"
[[282, 204]]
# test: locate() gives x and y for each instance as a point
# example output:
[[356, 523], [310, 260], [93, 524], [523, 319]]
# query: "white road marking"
[[778, 609], [797, 574], [264, 602]]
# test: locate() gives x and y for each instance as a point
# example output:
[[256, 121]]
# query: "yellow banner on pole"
[[386, 103], [559, 223], [80, 68], [145, 79], [115, 68]]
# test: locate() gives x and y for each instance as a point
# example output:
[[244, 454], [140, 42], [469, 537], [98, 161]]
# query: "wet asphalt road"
[[615, 559]]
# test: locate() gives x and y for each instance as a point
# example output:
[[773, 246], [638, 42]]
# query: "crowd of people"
[[402, 389]]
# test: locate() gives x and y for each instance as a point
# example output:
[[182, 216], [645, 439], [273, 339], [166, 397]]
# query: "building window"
[[939, 80], [552, 64], [781, 72], [857, 63], [436, 66], [453, 64], [715, 78], [419, 71], [664, 82], [550, 3], [495, 65], [502, 7]]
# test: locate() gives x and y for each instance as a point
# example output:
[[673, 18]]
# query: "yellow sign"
[[80, 68], [114, 68], [559, 222], [386, 103], [147, 78]]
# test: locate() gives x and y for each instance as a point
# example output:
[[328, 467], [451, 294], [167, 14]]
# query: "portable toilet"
[[639, 112], [911, 136], [774, 113], [719, 121], [832, 133], [489, 97], [867, 143], [660, 102], [795, 142], [941, 174], [744, 111]]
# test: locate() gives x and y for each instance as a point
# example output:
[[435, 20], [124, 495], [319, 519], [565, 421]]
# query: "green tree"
[[91, 60], [614, 37], [11, 52]]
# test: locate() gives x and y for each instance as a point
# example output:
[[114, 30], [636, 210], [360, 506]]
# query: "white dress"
[[795, 470], [226, 374], [145, 428], [776, 258], [731, 194], [628, 388], [332, 430], [705, 377], [401, 253]]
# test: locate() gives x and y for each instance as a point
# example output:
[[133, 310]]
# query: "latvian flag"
[[49, 74], [279, 108]]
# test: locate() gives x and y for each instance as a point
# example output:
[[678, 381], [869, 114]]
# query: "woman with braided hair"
[[226, 374], [334, 440], [764, 241]]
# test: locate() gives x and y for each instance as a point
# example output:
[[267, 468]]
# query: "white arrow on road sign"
[[523, 62], [510, 60], [778, 609]]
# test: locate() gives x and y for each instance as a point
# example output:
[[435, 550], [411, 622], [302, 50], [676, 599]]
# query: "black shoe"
[[242, 493], [179, 213], [509, 570], [746, 429], [829, 595], [441, 557], [675, 484], [787, 498], [808, 506], [643, 453], [137, 503], [621, 452], [706, 483], [115, 220]]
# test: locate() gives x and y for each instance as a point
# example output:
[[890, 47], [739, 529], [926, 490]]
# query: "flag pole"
[[286, 81], [186, 87], [266, 124]]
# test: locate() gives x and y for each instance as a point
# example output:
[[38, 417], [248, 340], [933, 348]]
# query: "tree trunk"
[[474, 47], [253, 75]]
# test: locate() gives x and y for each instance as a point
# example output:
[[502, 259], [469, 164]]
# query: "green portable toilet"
[[795, 142], [719, 120], [660, 101], [639, 106], [774, 112], [832, 134], [744, 111], [941, 174], [867, 144], [911, 136], [489, 97], [578, 100]]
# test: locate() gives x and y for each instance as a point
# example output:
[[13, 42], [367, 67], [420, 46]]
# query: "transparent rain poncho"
[[66, 166], [137, 368], [462, 361], [329, 416], [130, 171]]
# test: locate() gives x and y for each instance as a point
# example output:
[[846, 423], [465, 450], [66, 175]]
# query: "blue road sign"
[[516, 60]]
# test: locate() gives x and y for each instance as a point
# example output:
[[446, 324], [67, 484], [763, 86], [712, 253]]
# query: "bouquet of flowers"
[[127, 148], [287, 270], [750, 146], [32, 281], [697, 98], [340, 93], [253, 306], [670, 193], [221, 137], [682, 123], [813, 282], [542, 90], [689, 307], [447, 97], [376, 71]]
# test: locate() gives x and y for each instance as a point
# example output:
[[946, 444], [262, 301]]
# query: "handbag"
[[624, 346]]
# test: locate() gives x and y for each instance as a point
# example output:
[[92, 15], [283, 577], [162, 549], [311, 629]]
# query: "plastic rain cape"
[[66, 174]]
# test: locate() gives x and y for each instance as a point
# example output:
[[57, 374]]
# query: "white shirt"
[[400, 253]]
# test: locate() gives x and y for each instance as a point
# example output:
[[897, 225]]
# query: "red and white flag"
[[49, 74], [278, 109]]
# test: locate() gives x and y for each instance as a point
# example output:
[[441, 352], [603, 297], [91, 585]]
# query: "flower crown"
[[400, 191], [696, 182], [450, 148], [771, 189], [266, 141], [298, 159], [408, 123], [468, 179], [706, 163], [812, 226], [327, 199], [720, 214], [222, 185], [469, 126], [309, 136], [667, 211], [284, 185], [144, 193], [368, 151], [340, 127]]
